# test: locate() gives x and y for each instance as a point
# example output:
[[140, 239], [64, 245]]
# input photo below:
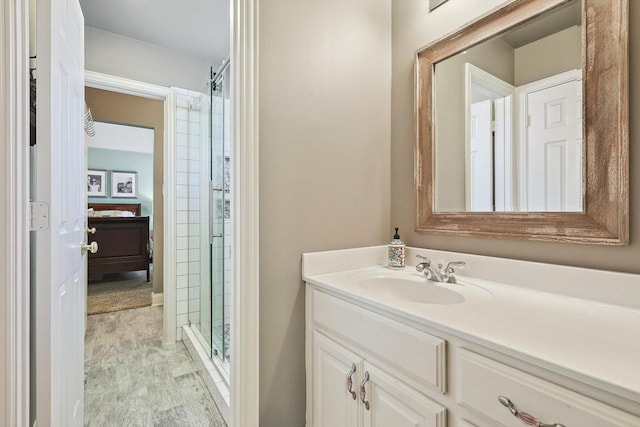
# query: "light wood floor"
[[132, 379]]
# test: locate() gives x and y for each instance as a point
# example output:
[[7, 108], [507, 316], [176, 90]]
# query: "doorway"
[[127, 143], [197, 218], [244, 125]]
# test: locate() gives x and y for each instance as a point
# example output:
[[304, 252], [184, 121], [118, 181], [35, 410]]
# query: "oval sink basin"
[[411, 290]]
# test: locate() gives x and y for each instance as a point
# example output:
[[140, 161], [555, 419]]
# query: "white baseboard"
[[157, 299]]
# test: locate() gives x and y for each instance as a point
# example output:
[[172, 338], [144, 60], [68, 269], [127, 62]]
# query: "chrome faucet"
[[445, 275]]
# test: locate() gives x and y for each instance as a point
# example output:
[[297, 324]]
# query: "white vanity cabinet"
[[536, 344], [379, 393], [368, 368]]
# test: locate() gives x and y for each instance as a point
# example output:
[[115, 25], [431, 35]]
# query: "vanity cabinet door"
[[333, 404], [393, 403], [490, 388]]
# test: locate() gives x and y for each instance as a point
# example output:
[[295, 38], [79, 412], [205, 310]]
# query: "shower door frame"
[[217, 349]]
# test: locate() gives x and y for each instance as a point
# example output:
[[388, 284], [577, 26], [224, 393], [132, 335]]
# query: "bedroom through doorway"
[[124, 166]]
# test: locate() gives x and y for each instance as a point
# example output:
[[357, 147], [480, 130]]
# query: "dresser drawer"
[[417, 356], [482, 381]]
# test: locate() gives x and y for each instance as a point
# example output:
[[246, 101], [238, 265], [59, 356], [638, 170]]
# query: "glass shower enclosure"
[[214, 325]]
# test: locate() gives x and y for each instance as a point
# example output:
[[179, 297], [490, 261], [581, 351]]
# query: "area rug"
[[115, 292]]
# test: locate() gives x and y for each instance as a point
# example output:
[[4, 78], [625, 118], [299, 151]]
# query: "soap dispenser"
[[396, 251]]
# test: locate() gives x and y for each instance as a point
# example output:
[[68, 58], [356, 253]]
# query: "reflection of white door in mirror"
[[538, 168], [489, 142], [481, 189], [550, 160]]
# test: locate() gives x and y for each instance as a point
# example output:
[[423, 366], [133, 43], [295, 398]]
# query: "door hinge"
[[528, 120], [39, 216]]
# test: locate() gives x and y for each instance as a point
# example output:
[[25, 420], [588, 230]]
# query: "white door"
[[554, 148], [392, 403], [481, 177], [60, 182], [503, 168], [333, 404]]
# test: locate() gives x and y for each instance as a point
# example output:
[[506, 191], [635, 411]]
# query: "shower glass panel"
[[214, 325]]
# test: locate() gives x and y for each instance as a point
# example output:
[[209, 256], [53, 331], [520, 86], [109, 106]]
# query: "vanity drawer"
[[419, 357], [482, 380]]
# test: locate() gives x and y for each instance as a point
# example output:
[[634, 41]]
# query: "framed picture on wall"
[[96, 183], [124, 184], [435, 3]]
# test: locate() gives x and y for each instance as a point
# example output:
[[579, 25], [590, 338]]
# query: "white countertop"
[[593, 342]]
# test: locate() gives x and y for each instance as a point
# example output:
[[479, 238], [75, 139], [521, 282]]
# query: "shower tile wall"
[[188, 205]]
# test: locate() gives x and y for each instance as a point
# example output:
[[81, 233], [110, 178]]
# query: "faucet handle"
[[449, 268], [447, 272], [424, 258], [426, 262]]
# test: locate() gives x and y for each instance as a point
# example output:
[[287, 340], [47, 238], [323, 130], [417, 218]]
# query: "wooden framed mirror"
[[599, 213]]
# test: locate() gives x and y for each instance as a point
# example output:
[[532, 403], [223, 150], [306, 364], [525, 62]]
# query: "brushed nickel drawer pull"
[[363, 391], [89, 247], [528, 419], [350, 381]]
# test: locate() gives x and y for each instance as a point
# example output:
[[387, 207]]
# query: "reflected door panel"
[[553, 149], [481, 157]]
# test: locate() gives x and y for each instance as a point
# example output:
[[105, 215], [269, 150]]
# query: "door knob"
[[91, 230], [91, 247]]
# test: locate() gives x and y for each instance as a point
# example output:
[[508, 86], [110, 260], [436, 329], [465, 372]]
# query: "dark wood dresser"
[[123, 244]]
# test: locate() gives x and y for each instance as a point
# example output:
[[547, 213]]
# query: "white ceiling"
[[199, 28], [556, 20]]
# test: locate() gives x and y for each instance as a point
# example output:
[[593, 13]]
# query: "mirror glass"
[[508, 120]]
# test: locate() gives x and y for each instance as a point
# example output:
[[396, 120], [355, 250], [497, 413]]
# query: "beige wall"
[[120, 108], [325, 99], [561, 52], [413, 28], [122, 56]]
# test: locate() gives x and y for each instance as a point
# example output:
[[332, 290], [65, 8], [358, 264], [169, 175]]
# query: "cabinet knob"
[[91, 247], [527, 419], [363, 391], [350, 381]]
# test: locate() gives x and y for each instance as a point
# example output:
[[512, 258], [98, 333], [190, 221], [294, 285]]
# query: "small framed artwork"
[[96, 183], [124, 184], [435, 3]]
